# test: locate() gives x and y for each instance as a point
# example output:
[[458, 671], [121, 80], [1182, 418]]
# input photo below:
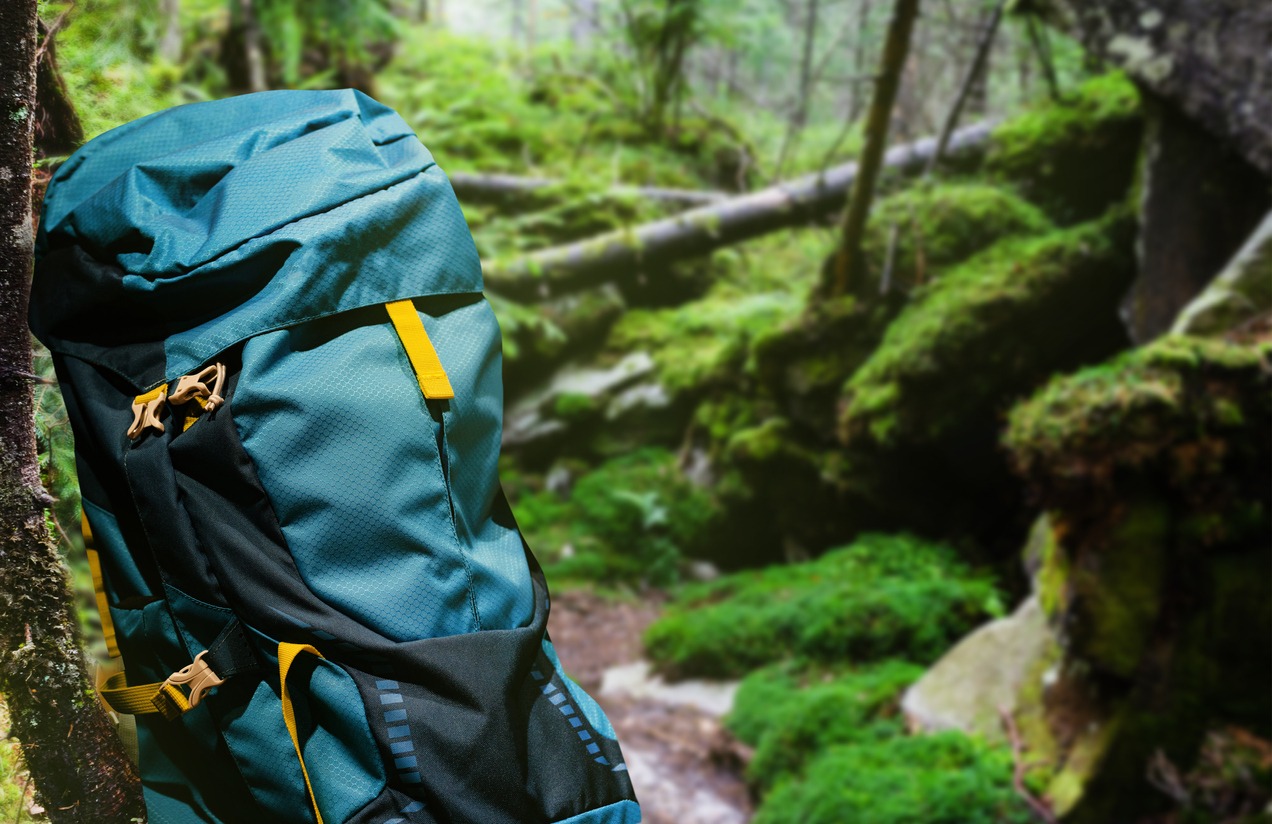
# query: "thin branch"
[[1039, 809]]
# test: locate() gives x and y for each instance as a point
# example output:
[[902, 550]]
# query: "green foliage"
[[944, 778], [631, 519], [108, 75], [343, 32], [790, 713], [882, 596], [959, 347], [486, 113]]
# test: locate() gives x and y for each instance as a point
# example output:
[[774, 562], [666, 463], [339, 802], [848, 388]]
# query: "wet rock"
[[984, 674], [1239, 295]]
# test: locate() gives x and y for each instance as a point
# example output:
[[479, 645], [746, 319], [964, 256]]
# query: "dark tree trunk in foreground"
[[80, 771], [840, 275], [1201, 200], [625, 252]]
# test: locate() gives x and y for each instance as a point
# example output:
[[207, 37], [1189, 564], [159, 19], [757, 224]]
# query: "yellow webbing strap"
[[424, 360], [286, 655], [140, 699], [99, 590]]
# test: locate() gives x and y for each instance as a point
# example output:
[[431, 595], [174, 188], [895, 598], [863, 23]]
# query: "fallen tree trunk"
[[625, 252], [498, 188]]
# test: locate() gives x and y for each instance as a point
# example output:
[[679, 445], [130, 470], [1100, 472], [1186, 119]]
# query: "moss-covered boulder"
[[990, 330], [883, 596], [917, 232], [1075, 157], [1156, 472]]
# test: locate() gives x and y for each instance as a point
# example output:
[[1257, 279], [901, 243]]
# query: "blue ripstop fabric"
[[349, 453], [234, 217]]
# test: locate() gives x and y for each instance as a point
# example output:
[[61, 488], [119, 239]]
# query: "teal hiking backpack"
[[285, 387]]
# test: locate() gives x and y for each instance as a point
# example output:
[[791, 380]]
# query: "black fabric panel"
[[79, 307], [171, 537], [99, 407]]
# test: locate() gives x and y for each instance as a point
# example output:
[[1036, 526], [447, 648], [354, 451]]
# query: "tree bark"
[[970, 80], [800, 118], [895, 48], [625, 252], [859, 58], [170, 42], [1199, 203], [80, 771], [499, 188], [253, 53]]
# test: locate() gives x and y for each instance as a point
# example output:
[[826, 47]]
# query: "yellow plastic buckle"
[[197, 677], [194, 386], [145, 409]]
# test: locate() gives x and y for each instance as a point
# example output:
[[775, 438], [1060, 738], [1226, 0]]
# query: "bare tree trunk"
[[625, 252], [800, 118], [80, 771], [253, 54], [500, 188], [532, 23], [975, 74], [859, 57], [1042, 47], [839, 276], [170, 41], [421, 11]]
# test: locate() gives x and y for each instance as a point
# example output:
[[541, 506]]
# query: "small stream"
[[685, 767]]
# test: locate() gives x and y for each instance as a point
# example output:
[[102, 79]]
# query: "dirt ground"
[[685, 768]]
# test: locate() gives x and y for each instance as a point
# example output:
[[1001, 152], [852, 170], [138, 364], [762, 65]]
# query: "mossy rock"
[[1077, 157], [1156, 473], [1190, 410], [937, 226], [882, 596], [945, 362]]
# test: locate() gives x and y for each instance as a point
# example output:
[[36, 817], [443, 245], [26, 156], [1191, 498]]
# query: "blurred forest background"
[[954, 505]]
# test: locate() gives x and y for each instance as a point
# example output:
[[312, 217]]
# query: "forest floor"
[[685, 767]]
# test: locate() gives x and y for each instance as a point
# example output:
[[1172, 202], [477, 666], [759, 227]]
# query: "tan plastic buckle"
[[145, 410], [197, 677], [194, 386]]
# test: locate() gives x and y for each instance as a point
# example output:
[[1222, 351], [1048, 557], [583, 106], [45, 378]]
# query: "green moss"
[[1053, 574], [789, 713], [938, 779], [1075, 157], [882, 596], [945, 360], [1169, 406], [573, 406], [937, 226], [1119, 597]]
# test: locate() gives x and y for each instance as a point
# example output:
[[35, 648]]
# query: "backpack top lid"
[[192, 229]]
